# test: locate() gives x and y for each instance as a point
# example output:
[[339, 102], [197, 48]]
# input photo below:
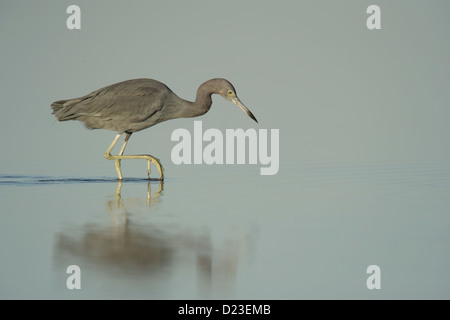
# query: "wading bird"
[[137, 104]]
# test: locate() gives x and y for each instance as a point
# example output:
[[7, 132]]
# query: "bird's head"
[[226, 90]]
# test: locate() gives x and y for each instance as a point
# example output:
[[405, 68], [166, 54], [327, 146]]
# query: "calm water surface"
[[228, 233]]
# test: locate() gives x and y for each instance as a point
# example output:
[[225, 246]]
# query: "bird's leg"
[[117, 162], [120, 156], [125, 141], [156, 162], [111, 157]]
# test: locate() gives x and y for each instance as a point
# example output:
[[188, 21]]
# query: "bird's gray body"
[[127, 106], [134, 105]]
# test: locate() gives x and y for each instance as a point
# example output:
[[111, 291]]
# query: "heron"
[[133, 105]]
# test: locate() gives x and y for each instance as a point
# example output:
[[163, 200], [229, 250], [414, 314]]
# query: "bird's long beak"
[[238, 102]]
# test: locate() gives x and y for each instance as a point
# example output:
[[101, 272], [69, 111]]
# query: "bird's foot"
[[158, 165], [147, 157]]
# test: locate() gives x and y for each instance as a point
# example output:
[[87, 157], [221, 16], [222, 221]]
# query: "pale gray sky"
[[338, 92]]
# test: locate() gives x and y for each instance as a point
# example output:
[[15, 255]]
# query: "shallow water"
[[309, 232]]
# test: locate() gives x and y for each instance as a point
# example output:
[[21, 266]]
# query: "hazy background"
[[337, 91], [364, 151]]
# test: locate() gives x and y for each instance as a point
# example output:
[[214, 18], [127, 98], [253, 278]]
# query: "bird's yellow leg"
[[156, 162], [147, 157], [120, 156]]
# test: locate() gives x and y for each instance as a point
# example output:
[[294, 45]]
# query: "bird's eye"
[[230, 92]]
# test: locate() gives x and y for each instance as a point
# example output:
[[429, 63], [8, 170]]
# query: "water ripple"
[[27, 180]]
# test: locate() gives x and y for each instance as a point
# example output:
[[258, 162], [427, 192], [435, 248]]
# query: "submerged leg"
[[120, 156]]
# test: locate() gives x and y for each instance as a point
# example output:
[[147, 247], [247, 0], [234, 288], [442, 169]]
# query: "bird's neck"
[[203, 99], [202, 104]]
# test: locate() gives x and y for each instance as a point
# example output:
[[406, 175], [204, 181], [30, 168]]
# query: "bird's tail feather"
[[58, 105], [61, 109]]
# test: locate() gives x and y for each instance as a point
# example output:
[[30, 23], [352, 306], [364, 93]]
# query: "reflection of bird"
[[133, 105]]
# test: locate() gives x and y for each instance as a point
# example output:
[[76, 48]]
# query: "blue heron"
[[137, 104]]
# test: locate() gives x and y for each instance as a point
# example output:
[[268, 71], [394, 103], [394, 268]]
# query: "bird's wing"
[[133, 101]]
